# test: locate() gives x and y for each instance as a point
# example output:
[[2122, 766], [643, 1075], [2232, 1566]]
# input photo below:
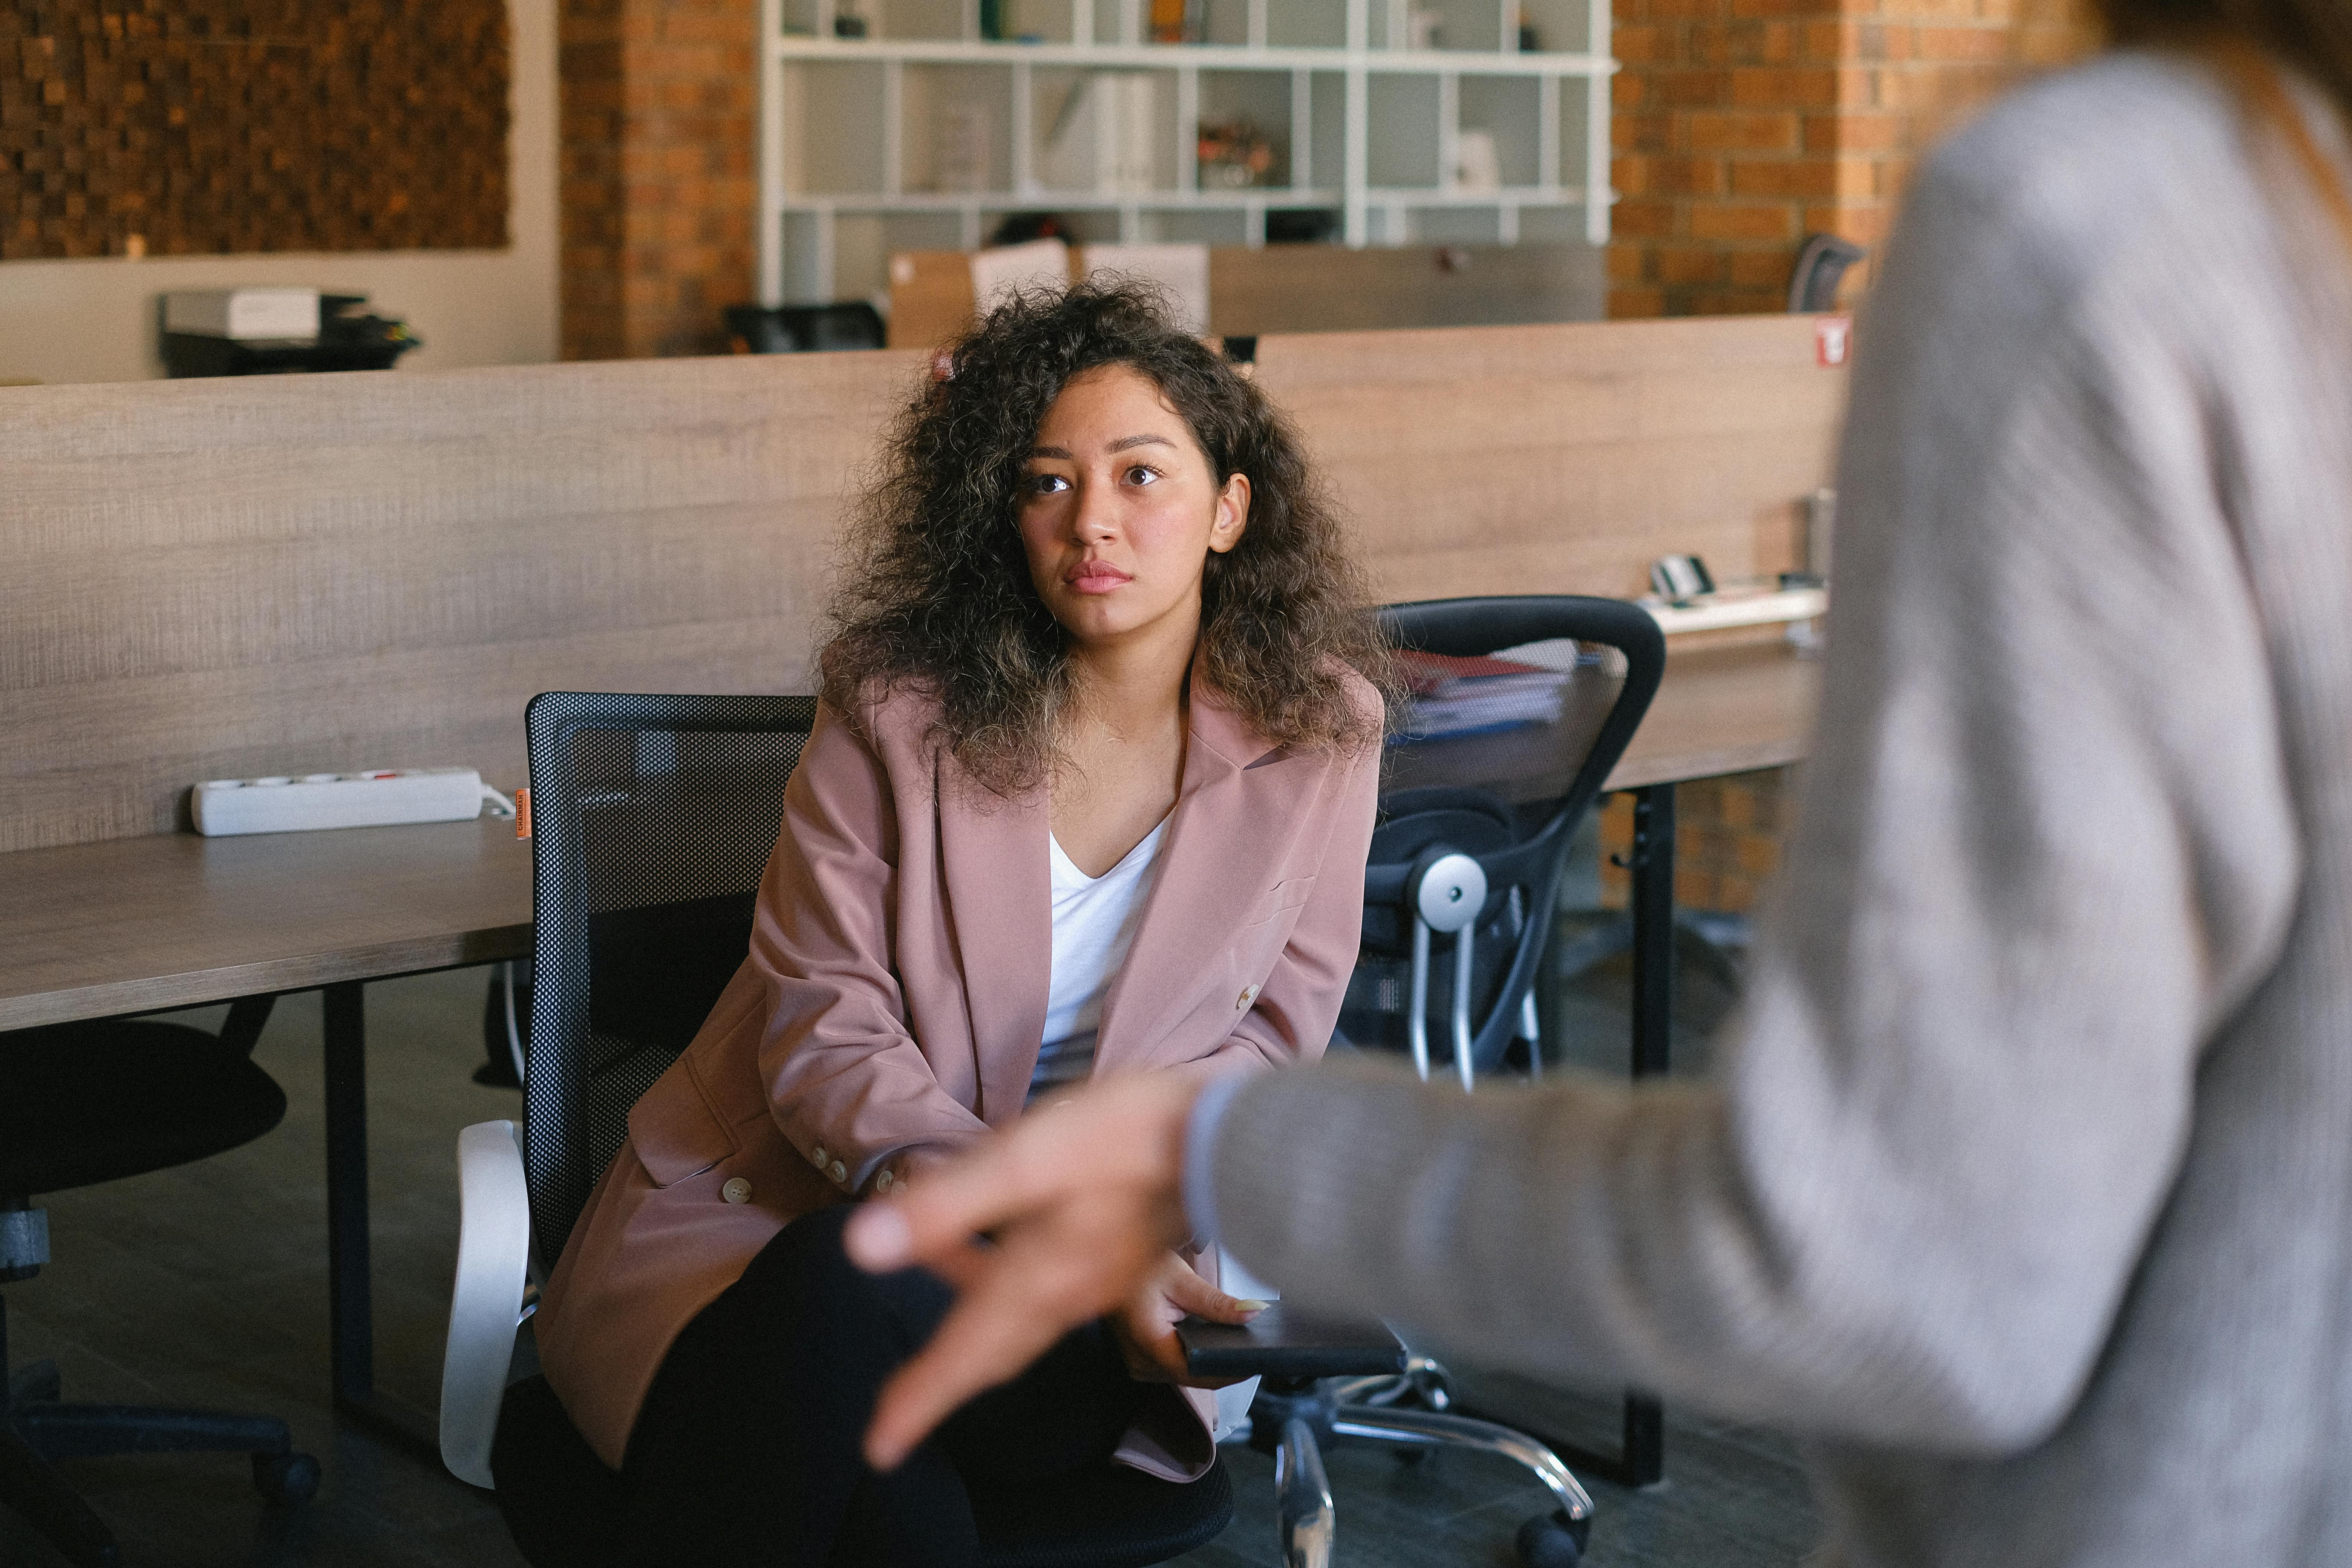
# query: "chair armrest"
[[486, 1306], [1282, 1341]]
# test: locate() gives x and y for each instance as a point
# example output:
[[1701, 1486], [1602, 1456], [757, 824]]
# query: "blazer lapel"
[[1217, 853], [1000, 904]]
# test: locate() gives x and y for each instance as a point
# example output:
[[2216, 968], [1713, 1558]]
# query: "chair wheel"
[[285, 1480], [1553, 1539]]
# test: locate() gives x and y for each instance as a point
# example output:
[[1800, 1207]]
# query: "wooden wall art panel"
[[187, 127]]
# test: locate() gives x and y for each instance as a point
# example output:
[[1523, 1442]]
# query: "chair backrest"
[[1512, 801], [652, 820]]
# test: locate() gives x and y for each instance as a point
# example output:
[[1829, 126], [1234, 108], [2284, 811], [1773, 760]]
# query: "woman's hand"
[[1145, 1324], [1084, 1200]]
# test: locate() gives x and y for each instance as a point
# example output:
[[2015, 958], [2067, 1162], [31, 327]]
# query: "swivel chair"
[[1458, 864], [97, 1102], [652, 818]]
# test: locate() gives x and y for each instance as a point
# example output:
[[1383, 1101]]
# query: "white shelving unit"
[[1364, 124]]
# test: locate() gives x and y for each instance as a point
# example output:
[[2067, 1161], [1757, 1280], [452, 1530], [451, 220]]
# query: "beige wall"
[[94, 320]]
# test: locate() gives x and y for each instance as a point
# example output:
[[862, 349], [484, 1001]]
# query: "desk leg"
[[1640, 1460], [350, 1313], [1654, 990], [350, 1283]]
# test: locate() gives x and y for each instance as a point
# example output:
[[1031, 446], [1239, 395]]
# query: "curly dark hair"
[[937, 592]]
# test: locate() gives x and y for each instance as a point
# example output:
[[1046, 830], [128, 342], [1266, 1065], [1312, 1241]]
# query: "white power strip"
[[378, 798]]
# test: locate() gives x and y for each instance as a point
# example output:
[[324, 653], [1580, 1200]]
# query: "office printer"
[[277, 332]]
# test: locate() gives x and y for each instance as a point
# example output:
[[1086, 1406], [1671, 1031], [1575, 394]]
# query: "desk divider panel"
[[1564, 459], [239, 577], [233, 578]]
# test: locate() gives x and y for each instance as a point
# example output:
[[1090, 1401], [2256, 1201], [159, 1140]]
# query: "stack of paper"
[[1454, 696]]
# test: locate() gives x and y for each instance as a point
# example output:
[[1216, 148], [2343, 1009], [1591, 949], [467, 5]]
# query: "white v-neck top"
[[1094, 925]]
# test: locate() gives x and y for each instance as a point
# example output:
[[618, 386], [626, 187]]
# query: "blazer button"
[[840, 1171], [736, 1191], [885, 1182], [816, 1156]]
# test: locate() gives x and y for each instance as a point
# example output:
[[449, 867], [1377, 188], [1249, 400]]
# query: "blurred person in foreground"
[[2024, 1190]]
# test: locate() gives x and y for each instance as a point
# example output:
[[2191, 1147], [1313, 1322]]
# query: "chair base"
[[1291, 1419], [37, 1429]]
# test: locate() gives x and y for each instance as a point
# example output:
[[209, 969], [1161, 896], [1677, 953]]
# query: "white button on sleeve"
[[736, 1191], [840, 1171]]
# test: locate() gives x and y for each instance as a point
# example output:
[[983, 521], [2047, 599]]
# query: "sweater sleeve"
[[2047, 848]]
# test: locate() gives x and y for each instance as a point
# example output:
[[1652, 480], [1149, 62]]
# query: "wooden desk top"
[[172, 919], [1724, 711]]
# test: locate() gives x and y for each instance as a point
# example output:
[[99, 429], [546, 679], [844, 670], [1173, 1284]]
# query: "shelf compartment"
[[1044, 21], [1306, 23], [1404, 128], [847, 98], [1562, 27], [1463, 25], [1109, 132], [957, 130], [1577, 101], [1327, 164], [1510, 110], [1264, 100], [945, 19]]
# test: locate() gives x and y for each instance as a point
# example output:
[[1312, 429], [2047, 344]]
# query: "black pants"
[[747, 1448]]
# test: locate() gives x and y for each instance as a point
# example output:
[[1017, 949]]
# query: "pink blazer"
[[892, 1006]]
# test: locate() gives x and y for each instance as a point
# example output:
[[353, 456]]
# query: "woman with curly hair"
[[1089, 794]]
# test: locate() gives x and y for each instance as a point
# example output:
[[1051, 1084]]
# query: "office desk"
[[133, 925], [139, 925], [1722, 711]]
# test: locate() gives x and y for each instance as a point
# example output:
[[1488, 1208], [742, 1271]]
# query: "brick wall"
[[1741, 127], [1744, 125], [660, 110]]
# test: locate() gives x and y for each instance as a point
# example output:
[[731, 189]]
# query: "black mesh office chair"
[[652, 819], [82, 1103], [1473, 865]]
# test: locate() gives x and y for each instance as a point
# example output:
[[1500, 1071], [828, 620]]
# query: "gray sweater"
[[2024, 1192]]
